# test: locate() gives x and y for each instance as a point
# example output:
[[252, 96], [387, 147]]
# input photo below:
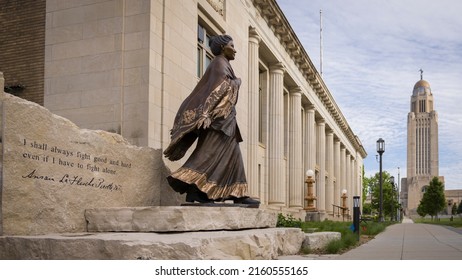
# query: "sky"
[[372, 53]]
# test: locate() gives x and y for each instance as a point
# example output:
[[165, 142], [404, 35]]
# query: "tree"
[[433, 200], [454, 209], [367, 209], [421, 211], [365, 190], [459, 209], [390, 202]]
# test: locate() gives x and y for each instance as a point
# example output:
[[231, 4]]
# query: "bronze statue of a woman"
[[215, 170]]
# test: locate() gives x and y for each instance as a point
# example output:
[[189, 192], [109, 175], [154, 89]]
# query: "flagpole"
[[320, 41]]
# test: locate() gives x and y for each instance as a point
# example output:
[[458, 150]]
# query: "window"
[[263, 103], [204, 54], [422, 106]]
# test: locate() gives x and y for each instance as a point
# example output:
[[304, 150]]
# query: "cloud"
[[372, 53]]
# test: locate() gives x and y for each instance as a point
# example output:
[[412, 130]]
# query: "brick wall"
[[22, 46]]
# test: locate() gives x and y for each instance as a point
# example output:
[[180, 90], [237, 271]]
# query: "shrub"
[[349, 240], [334, 246], [288, 221], [373, 228]]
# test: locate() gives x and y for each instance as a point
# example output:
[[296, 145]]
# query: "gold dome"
[[421, 83], [422, 87]]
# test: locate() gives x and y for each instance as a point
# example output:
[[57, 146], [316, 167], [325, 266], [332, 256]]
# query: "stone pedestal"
[[167, 233], [257, 244], [312, 217], [177, 219]]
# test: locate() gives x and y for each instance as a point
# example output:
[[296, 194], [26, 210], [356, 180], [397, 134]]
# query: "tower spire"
[[421, 73]]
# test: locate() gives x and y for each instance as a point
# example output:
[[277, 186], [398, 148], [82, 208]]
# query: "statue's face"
[[228, 51]]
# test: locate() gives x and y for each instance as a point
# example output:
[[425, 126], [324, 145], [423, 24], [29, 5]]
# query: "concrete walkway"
[[409, 241]]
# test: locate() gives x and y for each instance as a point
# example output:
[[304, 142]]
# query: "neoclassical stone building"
[[126, 66]]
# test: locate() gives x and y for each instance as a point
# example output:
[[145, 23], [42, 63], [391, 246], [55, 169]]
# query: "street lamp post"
[[380, 150], [356, 215]]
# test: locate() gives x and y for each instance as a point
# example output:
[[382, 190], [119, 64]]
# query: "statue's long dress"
[[215, 167]]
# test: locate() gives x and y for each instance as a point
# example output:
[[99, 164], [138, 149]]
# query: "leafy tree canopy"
[[389, 190], [454, 209], [433, 200]]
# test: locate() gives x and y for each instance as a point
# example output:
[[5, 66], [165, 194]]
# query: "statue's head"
[[217, 43]]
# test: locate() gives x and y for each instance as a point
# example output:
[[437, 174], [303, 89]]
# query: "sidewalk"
[[409, 241]]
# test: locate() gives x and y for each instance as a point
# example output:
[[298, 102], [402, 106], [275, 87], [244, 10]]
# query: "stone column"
[[276, 178], [337, 172], [359, 174], [354, 176], [321, 159], [310, 138], [310, 141], [253, 114], [296, 181], [354, 180], [330, 170], [342, 170], [348, 178]]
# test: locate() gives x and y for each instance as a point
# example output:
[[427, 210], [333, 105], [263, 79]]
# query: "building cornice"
[[274, 17]]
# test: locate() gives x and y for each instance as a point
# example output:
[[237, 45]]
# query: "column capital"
[[253, 35], [277, 68], [321, 121], [310, 107], [295, 91]]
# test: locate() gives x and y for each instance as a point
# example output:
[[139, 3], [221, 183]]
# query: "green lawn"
[[456, 221], [348, 240]]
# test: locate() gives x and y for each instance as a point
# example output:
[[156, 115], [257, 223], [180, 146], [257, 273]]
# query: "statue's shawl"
[[213, 97]]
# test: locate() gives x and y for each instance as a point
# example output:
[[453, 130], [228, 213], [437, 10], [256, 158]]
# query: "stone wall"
[[53, 171], [22, 44]]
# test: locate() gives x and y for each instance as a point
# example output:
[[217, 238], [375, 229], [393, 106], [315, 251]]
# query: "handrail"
[[344, 209]]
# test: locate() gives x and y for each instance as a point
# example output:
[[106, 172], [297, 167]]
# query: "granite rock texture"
[[177, 218], [256, 244], [319, 240], [54, 170]]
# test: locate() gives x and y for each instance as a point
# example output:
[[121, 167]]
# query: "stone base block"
[[318, 240], [177, 219], [312, 217], [261, 244]]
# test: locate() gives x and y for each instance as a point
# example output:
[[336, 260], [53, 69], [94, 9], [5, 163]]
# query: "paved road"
[[409, 241]]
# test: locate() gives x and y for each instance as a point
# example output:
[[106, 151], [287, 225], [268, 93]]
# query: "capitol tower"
[[422, 146]]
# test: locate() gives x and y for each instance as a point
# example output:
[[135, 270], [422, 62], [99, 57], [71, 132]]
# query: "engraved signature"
[[76, 180]]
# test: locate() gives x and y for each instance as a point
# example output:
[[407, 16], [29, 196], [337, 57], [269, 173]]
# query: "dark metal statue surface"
[[215, 170]]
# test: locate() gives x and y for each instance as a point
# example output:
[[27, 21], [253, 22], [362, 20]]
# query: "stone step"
[[256, 244], [177, 219]]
